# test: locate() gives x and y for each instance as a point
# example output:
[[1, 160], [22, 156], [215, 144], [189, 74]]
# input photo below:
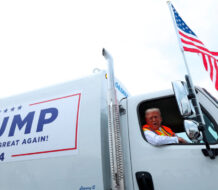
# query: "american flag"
[[191, 43]]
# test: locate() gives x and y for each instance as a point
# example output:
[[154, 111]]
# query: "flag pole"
[[180, 44], [186, 65], [192, 92]]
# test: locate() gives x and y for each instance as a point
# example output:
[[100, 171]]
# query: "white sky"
[[46, 42]]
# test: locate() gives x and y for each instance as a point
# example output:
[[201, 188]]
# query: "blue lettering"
[[24, 141], [43, 138], [29, 140], [46, 116], [17, 121], [34, 140], [121, 89], [43, 120], [13, 143], [4, 123]]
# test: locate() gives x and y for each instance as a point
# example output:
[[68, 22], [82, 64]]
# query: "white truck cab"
[[175, 166]]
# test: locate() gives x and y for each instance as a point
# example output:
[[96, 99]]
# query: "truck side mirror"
[[191, 128], [182, 100]]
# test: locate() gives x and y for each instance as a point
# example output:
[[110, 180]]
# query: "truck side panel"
[[81, 167]]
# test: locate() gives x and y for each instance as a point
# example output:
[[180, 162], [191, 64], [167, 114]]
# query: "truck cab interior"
[[171, 118]]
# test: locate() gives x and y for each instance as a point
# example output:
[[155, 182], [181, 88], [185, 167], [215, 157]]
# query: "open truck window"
[[172, 118]]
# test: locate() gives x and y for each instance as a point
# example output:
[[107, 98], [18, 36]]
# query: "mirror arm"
[[199, 117]]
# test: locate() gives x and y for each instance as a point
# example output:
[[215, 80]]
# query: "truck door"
[[174, 166]]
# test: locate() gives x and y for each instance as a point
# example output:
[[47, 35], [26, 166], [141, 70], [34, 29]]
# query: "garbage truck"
[[87, 134]]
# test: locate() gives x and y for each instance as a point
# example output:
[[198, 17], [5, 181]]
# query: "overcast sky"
[[46, 42]]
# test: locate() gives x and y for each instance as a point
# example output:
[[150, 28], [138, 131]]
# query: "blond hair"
[[152, 110]]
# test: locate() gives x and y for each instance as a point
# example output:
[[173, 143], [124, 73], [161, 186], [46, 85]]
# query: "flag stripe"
[[199, 47], [211, 68], [194, 50], [190, 38], [204, 61], [216, 68], [214, 53]]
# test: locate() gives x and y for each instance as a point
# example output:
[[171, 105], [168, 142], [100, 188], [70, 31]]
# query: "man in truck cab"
[[158, 134]]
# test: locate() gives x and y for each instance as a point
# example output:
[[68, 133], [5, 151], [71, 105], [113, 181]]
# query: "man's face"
[[153, 119]]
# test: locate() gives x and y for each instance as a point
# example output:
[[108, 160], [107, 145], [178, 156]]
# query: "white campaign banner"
[[46, 128]]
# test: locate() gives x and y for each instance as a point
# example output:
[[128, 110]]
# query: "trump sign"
[[40, 129]]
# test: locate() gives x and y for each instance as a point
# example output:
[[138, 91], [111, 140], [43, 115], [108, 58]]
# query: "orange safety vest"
[[166, 131]]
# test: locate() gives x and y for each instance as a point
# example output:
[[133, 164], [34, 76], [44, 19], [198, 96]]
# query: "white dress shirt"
[[155, 139]]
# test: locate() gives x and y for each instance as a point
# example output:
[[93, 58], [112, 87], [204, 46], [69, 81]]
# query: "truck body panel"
[[82, 163]]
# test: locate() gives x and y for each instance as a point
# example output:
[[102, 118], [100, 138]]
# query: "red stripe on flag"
[[204, 61], [195, 50], [214, 53], [216, 72], [211, 68], [190, 43], [191, 50], [190, 38]]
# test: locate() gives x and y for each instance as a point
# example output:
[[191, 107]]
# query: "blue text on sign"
[[19, 123]]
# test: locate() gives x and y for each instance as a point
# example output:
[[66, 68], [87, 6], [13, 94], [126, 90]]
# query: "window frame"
[[204, 111]]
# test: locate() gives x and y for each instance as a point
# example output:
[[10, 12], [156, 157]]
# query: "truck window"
[[171, 118], [211, 131]]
